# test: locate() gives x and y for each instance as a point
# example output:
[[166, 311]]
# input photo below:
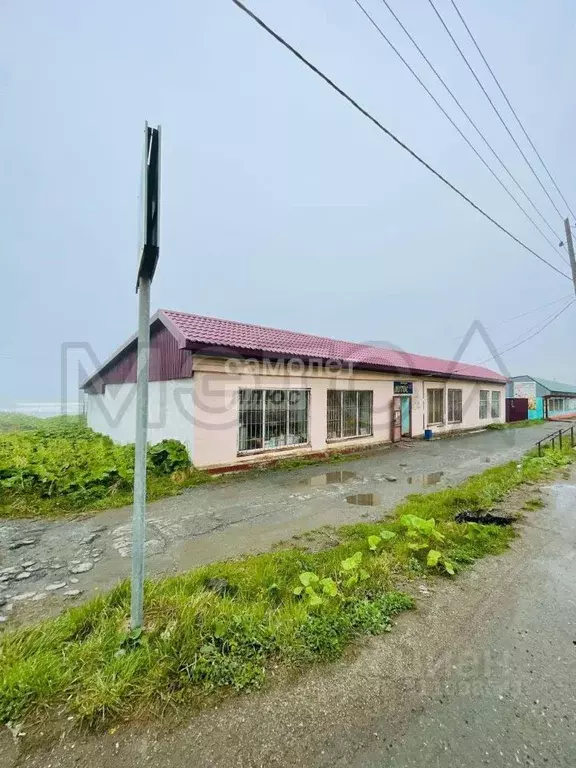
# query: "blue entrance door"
[[406, 416]]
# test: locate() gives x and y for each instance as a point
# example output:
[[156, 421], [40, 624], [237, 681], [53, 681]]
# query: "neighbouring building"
[[236, 393], [546, 399]]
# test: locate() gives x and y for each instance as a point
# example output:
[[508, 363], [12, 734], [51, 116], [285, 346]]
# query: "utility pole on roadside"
[[570, 245], [148, 258]]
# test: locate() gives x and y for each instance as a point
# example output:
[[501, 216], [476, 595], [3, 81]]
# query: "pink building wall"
[[217, 381]]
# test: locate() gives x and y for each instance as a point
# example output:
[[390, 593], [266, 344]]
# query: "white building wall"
[[170, 412]]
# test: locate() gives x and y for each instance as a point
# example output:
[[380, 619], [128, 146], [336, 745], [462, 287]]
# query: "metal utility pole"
[[570, 244], [148, 258]]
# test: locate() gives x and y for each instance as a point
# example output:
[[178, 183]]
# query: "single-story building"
[[236, 393], [546, 399]]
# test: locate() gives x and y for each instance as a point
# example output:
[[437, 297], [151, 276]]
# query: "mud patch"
[[327, 478], [484, 518], [364, 499], [431, 478]]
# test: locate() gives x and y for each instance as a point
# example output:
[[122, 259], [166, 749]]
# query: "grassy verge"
[[517, 424], [222, 627]]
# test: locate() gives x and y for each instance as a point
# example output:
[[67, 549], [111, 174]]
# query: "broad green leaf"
[[373, 542], [449, 567], [350, 563], [329, 587], [433, 558], [308, 577], [387, 535], [297, 590], [363, 575], [219, 629], [315, 599]]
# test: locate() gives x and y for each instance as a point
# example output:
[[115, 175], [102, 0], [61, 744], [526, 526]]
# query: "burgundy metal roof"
[[199, 332]]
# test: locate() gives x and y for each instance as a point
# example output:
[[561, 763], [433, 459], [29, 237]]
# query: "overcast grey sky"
[[281, 205]]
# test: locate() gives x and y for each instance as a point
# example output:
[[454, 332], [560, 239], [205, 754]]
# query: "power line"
[[494, 107], [524, 314], [389, 133], [524, 131], [447, 116], [471, 121], [536, 333]]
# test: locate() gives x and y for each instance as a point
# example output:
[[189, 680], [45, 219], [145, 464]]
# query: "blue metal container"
[[428, 434]]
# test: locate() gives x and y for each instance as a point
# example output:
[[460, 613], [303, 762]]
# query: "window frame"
[[344, 394], [266, 391], [452, 391], [480, 404], [499, 400], [435, 423]]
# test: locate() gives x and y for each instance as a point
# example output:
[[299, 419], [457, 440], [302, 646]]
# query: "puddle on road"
[[432, 478], [327, 478], [364, 499]]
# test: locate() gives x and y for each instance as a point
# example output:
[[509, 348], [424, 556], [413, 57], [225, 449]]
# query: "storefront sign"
[[403, 387]]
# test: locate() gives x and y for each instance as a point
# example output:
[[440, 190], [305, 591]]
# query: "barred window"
[[454, 406], [483, 413], [435, 406], [348, 414], [495, 405], [272, 418]]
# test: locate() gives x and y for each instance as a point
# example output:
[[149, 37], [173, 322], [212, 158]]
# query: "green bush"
[[65, 461]]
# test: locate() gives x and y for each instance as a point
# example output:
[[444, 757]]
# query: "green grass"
[[517, 424], [199, 643], [22, 422], [62, 466]]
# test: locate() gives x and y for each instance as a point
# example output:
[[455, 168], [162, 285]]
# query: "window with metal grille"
[[435, 406], [483, 412], [272, 418], [348, 414], [495, 405], [454, 406]]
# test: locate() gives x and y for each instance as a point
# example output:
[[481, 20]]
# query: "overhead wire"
[[389, 133], [494, 107], [549, 321], [524, 314], [471, 121], [501, 89], [455, 125]]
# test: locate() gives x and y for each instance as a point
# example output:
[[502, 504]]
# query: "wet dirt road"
[[483, 673], [58, 563], [511, 697]]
